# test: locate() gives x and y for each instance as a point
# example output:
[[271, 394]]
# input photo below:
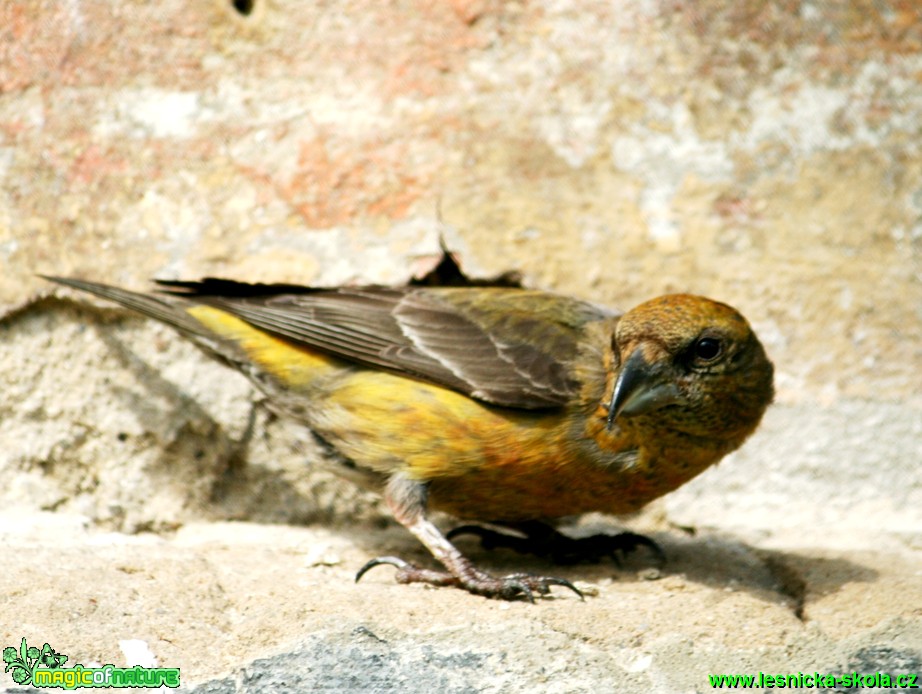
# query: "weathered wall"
[[766, 153], [763, 153]]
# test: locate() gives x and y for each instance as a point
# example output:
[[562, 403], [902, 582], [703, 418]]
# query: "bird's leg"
[[544, 540], [407, 500]]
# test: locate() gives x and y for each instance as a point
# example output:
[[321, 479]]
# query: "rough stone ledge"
[[243, 607]]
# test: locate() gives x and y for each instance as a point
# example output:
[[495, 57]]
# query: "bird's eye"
[[707, 349]]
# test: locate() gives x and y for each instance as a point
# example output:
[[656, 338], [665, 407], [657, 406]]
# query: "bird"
[[502, 405]]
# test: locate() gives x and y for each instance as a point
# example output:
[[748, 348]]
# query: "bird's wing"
[[509, 347]]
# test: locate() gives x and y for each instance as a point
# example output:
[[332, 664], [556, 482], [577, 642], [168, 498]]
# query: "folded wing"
[[508, 347]]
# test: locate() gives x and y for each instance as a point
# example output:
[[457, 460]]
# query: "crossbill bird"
[[493, 404]]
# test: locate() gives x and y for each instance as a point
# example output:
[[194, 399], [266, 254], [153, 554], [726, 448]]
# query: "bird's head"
[[691, 363]]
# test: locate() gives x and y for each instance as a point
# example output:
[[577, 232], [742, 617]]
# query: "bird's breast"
[[574, 468]]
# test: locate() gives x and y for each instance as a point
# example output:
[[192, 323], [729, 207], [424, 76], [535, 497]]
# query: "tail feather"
[[169, 312]]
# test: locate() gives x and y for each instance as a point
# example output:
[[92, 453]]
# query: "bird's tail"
[[172, 313], [221, 334]]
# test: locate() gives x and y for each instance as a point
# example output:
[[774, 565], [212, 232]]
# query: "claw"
[[566, 584], [512, 589], [408, 500], [507, 587], [379, 561]]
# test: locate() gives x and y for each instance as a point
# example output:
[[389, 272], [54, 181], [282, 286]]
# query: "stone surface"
[[766, 154], [253, 607]]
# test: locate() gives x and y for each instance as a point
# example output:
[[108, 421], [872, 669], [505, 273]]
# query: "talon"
[[542, 584], [566, 584], [506, 588], [458, 572], [512, 589], [379, 561]]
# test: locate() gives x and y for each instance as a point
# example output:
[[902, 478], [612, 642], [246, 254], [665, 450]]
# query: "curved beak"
[[641, 387]]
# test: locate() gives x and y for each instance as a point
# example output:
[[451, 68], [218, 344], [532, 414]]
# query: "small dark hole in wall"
[[244, 7]]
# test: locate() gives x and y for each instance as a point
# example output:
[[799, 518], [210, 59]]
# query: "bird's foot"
[[544, 541], [473, 580]]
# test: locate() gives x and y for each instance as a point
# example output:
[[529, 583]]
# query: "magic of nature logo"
[[45, 668]]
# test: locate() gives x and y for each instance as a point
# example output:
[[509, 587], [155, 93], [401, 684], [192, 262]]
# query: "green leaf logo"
[[49, 658], [22, 664], [21, 675], [10, 655]]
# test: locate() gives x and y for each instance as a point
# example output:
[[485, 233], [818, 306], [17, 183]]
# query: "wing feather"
[[506, 346]]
